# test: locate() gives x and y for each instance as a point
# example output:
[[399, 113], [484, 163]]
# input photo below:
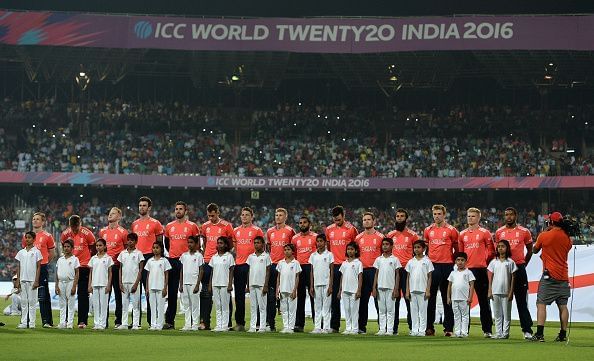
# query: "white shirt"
[[502, 273], [191, 267], [386, 271], [321, 262], [460, 283], [66, 268], [220, 269], [418, 273], [156, 269], [350, 275], [100, 268], [28, 263], [287, 272], [258, 265], [130, 264]]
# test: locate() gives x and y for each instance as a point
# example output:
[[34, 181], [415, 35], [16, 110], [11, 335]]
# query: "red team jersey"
[[244, 242], [370, 246], [442, 242], [43, 242], [277, 239], [178, 234], [518, 238], [305, 245], [403, 245], [115, 238], [211, 232], [147, 231], [82, 241], [478, 246], [338, 238]]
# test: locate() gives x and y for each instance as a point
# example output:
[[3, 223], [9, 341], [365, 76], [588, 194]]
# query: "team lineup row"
[[204, 264]]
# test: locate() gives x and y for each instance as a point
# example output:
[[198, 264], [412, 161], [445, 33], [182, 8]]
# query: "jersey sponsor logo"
[[444, 233], [432, 233], [173, 229], [368, 249]]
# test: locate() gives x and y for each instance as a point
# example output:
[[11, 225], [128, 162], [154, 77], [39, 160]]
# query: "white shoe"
[[21, 326], [136, 328], [380, 333], [527, 336], [69, 326], [327, 330], [194, 328], [263, 330], [185, 328], [122, 327], [347, 332], [62, 326], [251, 330], [488, 335], [47, 325], [316, 331]]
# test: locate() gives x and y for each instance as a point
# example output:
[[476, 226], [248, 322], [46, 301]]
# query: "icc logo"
[[143, 29]]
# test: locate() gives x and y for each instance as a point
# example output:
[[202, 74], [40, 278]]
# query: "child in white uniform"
[[132, 264], [157, 279], [66, 282], [286, 287], [258, 276], [100, 284], [221, 282], [350, 288], [320, 288], [419, 270], [385, 286], [14, 309], [189, 283], [460, 290], [28, 270], [501, 288]]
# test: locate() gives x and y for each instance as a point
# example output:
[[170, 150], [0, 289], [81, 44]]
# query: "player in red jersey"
[[370, 248], [176, 238], [45, 243], [520, 241], [403, 238], [277, 237], [305, 245], [149, 230], [211, 230], [338, 235], [115, 237], [477, 243], [243, 244], [84, 248], [442, 240]]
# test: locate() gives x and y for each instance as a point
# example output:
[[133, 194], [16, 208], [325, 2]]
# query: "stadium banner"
[[214, 182], [301, 35]]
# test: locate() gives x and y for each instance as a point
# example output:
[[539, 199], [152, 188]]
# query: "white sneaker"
[[380, 333], [316, 331], [136, 328], [62, 326], [527, 336], [21, 326], [185, 328], [194, 328], [263, 329], [347, 332], [251, 330], [122, 327], [327, 330], [69, 326], [487, 334], [47, 325]]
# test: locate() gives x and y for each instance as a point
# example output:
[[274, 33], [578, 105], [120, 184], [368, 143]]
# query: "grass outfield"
[[144, 345]]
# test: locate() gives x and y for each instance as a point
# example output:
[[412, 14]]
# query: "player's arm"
[[230, 284], [109, 280], [51, 254], [75, 282], [199, 281], [449, 292], [166, 284], [37, 273], [181, 280], [266, 279], [90, 283], [57, 283], [138, 277], [428, 289], [331, 280], [490, 277], [312, 291], [120, 275], [471, 292], [396, 284], [18, 274], [374, 287], [529, 252], [294, 293], [359, 284], [210, 282], [277, 283], [166, 243]]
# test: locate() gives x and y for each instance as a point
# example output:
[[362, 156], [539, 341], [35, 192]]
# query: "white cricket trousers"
[[386, 305], [288, 308], [130, 297], [502, 314], [67, 303], [461, 317], [322, 304], [157, 303], [28, 303], [257, 304], [418, 313], [221, 300], [351, 311], [100, 301], [191, 301]]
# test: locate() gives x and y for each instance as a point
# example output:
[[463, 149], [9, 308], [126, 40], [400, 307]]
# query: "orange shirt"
[[338, 237], [370, 247], [115, 238], [211, 232], [43, 242], [305, 245], [518, 238], [82, 241], [478, 245], [442, 242], [555, 245], [243, 241], [147, 231], [277, 239], [178, 234], [403, 244]]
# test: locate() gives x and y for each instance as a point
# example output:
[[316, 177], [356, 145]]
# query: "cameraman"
[[554, 284]]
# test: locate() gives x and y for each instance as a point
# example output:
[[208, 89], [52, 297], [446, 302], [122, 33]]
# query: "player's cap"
[[556, 217]]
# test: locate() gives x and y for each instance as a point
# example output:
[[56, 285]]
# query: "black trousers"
[[172, 288], [439, 281], [521, 296], [144, 279], [302, 295], [117, 293], [240, 278], [82, 292], [481, 287], [366, 288], [271, 298], [402, 278], [43, 294], [335, 302], [206, 299]]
